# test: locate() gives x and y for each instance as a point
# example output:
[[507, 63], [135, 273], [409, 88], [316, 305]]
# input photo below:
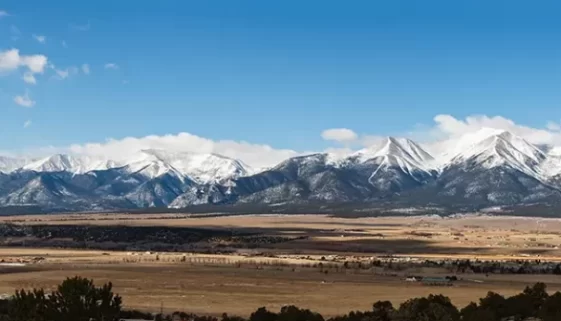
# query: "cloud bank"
[[447, 126], [256, 155], [435, 136]]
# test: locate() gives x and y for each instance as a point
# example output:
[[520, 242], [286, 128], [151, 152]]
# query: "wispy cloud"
[[27, 123], [111, 65], [65, 73], [40, 39], [4, 13], [86, 69], [62, 74], [64, 44], [24, 100], [29, 78], [81, 27]]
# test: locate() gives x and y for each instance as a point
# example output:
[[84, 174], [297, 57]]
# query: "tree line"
[[78, 299]]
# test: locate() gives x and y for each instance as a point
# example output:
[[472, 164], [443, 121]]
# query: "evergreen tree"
[[76, 299]]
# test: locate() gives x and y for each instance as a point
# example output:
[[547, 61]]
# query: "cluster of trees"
[[510, 267], [467, 266], [78, 299]]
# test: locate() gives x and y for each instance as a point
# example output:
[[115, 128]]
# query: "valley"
[[305, 260]]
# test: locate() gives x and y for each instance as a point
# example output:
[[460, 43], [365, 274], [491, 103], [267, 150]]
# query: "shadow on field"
[[223, 240], [379, 246]]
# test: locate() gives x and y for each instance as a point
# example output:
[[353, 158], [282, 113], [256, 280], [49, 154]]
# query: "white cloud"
[[111, 66], [24, 100], [86, 69], [447, 126], [26, 124], [257, 155], [3, 13], [64, 44], [35, 63], [40, 39], [29, 78], [341, 135], [441, 136], [11, 60]]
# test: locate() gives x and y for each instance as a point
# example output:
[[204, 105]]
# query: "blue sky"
[[275, 72]]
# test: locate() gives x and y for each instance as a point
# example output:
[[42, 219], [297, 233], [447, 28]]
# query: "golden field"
[[241, 282]]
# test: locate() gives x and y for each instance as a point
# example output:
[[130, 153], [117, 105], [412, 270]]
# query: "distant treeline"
[[122, 237], [478, 267], [78, 299], [385, 207]]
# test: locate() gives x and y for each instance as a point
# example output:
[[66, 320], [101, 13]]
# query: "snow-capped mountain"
[[9, 164], [202, 168], [69, 163], [502, 148], [401, 152], [483, 168]]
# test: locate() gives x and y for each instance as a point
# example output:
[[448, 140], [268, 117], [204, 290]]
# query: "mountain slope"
[[503, 149], [396, 164]]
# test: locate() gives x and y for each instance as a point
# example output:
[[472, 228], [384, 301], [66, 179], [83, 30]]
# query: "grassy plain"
[[239, 283]]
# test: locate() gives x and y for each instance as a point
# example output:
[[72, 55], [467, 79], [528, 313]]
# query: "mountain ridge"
[[487, 167]]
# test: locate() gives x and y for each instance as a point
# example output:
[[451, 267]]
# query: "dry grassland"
[[238, 284]]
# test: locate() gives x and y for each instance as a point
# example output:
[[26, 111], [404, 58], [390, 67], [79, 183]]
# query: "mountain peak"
[[67, 162], [396, 147], [201, 167], [500, 148]]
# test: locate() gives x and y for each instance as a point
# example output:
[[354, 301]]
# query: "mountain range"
[[481, 169]]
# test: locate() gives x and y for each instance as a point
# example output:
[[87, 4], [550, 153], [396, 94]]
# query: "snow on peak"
[[397, 151], [10, 164], [446, 150], [64, 162], [497, 148], [202, 168]]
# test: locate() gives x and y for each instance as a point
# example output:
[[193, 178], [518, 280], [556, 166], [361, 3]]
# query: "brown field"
[[240, 283]]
